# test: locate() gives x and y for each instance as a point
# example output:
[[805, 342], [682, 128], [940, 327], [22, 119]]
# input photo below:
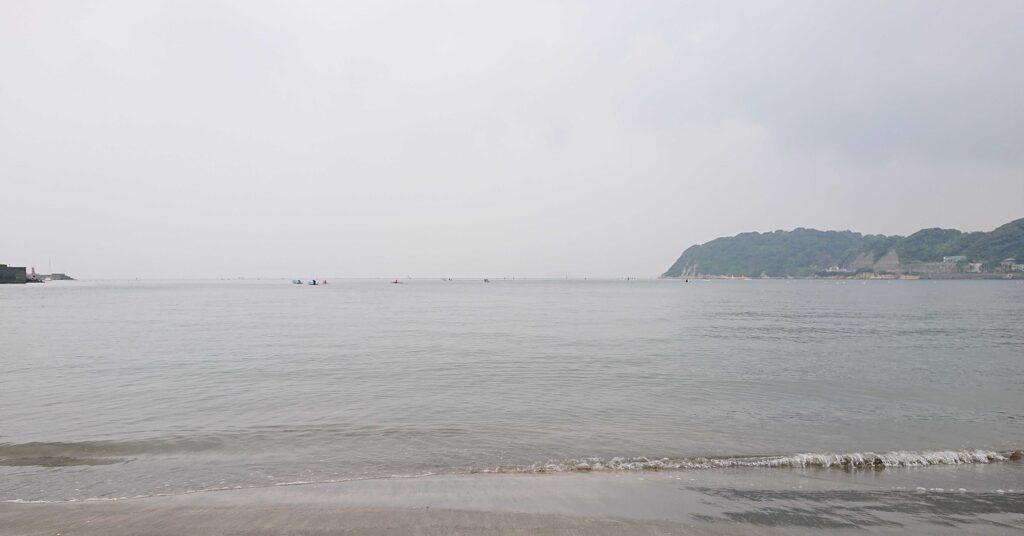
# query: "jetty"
[[19, 275]]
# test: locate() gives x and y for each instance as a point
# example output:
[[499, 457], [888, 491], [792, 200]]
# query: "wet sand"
[[701, 502]]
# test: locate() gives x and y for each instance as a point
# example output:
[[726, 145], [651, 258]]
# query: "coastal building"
[[12, 274], [1011, 265], [954, 259], [975, 267]]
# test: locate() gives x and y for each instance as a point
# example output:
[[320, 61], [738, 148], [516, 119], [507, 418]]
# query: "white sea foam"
[[854, 460]]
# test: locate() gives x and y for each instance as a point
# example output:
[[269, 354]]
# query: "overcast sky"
[[257, 138]]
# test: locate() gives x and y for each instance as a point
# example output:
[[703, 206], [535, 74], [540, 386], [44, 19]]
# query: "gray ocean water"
[[122, 389]]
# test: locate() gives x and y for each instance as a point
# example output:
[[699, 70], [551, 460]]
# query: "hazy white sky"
[[291, 138]]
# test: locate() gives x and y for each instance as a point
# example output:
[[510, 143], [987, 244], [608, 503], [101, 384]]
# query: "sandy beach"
[[699, 502]]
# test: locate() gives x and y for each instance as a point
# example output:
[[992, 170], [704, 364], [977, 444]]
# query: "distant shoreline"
[[871, 277]]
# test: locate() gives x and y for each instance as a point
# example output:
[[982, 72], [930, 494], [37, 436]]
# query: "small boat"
[[296, 281], [312, 282]]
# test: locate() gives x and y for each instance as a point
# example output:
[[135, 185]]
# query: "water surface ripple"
[[114, 389]]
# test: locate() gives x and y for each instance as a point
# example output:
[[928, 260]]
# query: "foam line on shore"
[[853, 460]]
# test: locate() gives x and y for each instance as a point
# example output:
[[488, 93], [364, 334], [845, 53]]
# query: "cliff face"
[[805, 252]]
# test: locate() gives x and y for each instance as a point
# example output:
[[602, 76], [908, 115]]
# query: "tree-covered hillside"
[[802, 252], [1004, 242], [776, 254]]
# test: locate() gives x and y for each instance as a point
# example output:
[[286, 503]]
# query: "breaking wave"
[[61, 454], [854, 460]]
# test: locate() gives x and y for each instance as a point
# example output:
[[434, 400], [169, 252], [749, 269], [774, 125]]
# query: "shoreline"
[[878, 277], [725, 502]]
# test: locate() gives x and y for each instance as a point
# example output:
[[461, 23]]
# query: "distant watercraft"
[[312, 282], [296, 281]]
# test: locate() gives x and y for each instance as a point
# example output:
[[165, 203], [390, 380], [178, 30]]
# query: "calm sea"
[[121, 389]]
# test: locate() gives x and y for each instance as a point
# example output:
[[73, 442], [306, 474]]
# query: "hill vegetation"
[[804, 252]]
